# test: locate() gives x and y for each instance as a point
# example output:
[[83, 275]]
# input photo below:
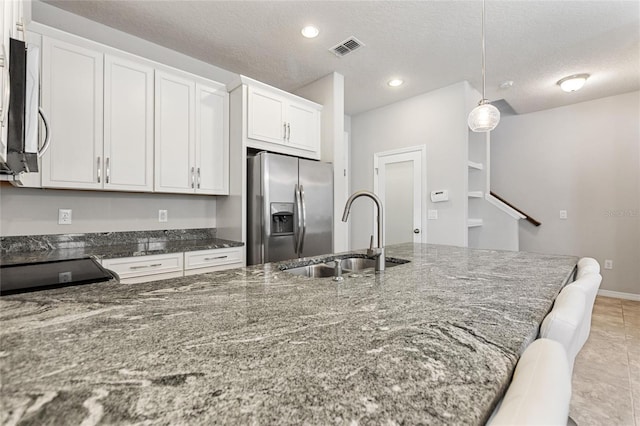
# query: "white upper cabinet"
[[128, 125], [122, 123], [281, 122], [175, 133], [303, 127], [266, 116], [212, 139], [72, 98], [191, 135]]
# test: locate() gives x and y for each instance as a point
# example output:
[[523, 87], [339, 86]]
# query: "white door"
[[72, 98], [128, 125], [212, 140], [400, 182], [174, 133], [266, 116], [303, 127]]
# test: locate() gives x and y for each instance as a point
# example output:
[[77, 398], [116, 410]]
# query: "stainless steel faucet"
[[378, 252]]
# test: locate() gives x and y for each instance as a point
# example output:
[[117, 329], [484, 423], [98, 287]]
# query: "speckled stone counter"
[[433, 341], [108, 245]]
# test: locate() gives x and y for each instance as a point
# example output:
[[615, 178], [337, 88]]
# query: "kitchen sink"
[[357, 264], [312, 271], [349, 265]]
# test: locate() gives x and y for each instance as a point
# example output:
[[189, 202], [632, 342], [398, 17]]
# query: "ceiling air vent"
[[346, 46]]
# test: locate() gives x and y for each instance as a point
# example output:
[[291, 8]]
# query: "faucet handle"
[[371, 242], [337, 270]]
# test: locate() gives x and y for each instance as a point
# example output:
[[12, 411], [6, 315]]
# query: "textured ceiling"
[[430, 44]]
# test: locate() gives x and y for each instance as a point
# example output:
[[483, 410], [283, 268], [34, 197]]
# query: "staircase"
[[492, 223]]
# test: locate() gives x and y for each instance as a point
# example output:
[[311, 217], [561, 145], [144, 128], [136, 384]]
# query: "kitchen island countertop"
[[433, 341]]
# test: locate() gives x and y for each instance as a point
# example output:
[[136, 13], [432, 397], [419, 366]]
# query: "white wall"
[[28, 211], [437, 119], [583, 158]]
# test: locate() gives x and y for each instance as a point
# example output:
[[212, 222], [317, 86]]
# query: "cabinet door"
[[266, 116], [128, 125], [304, 127], [212, 140], [174, 133], [72, 97]]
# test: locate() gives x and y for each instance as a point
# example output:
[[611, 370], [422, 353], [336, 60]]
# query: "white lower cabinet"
[[140, 269], [199, 262]]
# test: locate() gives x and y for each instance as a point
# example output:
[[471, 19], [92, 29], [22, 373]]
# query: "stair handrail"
[[527, 217]]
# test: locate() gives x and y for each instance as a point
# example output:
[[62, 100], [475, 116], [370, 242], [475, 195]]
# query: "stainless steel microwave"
[[21, 110]]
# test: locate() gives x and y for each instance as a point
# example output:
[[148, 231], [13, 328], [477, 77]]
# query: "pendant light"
[[485, 117]]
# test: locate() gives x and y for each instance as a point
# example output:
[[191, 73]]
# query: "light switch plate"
[[563, 214], [163, 216], [608, 264], [432, 214]]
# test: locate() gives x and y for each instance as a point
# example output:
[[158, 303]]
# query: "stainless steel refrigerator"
[[289, 208]]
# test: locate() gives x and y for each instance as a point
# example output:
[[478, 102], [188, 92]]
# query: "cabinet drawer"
[[146, 268], [216, 259]]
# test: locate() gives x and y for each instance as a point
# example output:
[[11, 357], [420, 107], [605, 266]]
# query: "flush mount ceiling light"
[[485, 117], [310, 31], [573, 82], [395, 82]]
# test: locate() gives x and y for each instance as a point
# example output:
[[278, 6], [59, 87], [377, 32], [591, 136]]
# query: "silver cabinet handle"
[[6, 86], [99, 170], [21, 27], [288, 131], [108, 167], [193, 178], [47, 133], [199, 178], [214, 258], [153, 265], [284, 125]]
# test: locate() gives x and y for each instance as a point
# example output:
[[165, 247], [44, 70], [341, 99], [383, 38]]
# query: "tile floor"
[[606, 375]]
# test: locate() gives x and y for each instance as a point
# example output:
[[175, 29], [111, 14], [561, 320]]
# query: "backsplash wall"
[[27, 211]]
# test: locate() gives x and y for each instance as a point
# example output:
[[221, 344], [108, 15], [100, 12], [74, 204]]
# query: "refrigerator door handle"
[[304, 218], [296, 217]]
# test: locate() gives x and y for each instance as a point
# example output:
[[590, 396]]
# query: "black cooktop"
[[24, 277]]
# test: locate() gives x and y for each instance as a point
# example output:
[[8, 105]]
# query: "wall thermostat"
[[440, 195]]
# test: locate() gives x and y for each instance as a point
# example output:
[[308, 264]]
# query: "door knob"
[[416, 231]]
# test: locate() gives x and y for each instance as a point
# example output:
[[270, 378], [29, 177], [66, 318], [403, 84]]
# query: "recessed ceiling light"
[[395, 82], [310, 31], [573, 82]]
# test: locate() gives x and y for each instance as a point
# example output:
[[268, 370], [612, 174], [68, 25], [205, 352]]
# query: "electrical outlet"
[[608, 264], [563, 214], [163, 216], [64, 216], [432, 214]]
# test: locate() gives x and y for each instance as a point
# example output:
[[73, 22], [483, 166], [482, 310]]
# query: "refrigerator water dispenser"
[[281, 218]]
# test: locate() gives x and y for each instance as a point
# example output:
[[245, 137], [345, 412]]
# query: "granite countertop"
[[433, 341], [108, 245]]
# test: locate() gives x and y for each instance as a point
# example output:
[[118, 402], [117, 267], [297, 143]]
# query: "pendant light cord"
[[483, 56]]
